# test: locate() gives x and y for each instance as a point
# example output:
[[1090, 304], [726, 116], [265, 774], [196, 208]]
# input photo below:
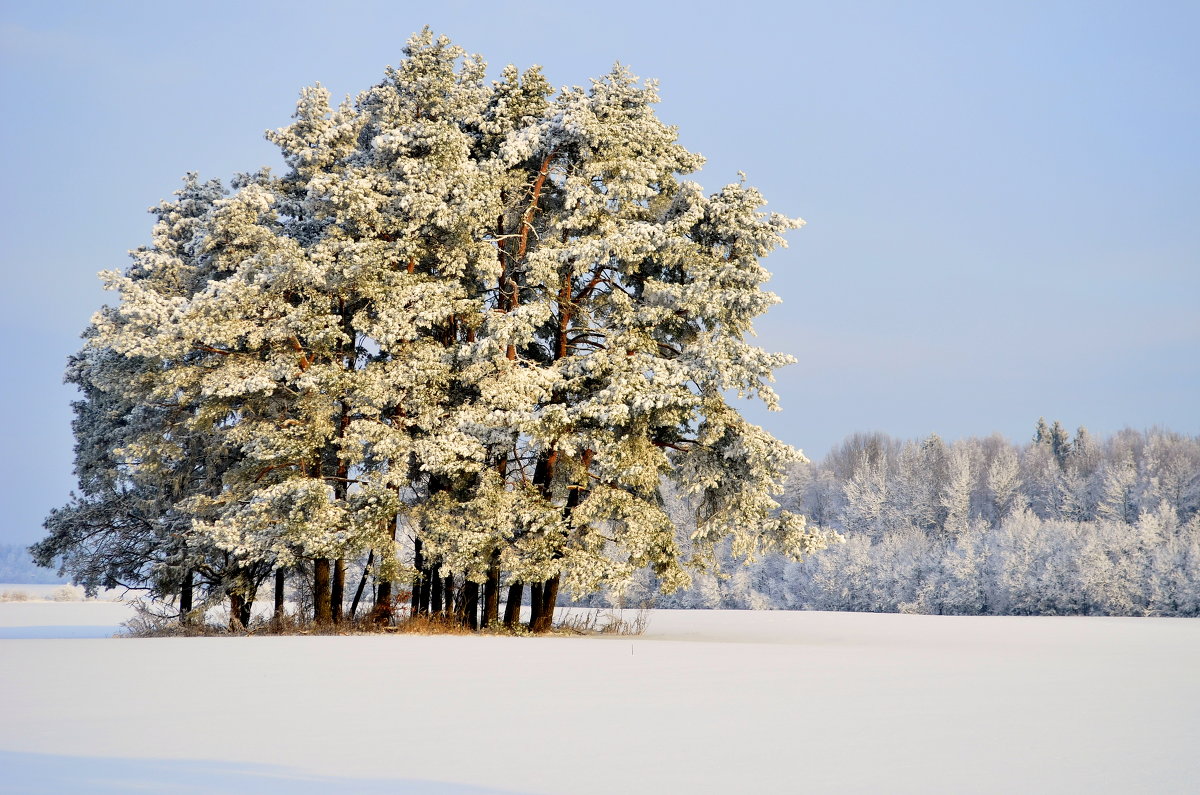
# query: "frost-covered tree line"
[[460, 345], [1063, 525], [16, 566]]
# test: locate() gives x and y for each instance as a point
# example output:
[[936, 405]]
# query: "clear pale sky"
[[1003, 198]]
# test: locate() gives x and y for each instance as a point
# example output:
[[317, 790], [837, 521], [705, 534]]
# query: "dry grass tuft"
[[604, 622], [149, 624], [428, 625]]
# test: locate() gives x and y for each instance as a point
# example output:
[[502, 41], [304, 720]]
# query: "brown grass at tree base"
[[574, 623]]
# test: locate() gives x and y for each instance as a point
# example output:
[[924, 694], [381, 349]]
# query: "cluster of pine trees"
[[1059, 526], [464, 339]]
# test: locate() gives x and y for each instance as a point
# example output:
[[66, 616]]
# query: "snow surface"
[[705, 701], [38, 615]]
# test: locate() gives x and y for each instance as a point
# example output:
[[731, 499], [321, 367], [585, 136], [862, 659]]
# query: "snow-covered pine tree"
[[495, 316], [141, 452], [647, 290], [1003, 480]]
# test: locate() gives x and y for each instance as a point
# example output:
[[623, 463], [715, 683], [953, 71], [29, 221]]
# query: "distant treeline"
[[1063, 525], [16, 566]]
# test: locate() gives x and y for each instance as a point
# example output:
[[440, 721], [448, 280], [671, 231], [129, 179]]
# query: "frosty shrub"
[[68, 593]]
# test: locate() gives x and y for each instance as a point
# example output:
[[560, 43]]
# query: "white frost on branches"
[[494, 314]]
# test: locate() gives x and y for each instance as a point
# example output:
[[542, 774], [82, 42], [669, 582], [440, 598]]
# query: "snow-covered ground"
[[704, 701], [58, 611]]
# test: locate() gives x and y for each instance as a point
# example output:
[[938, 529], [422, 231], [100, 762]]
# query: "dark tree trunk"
[[236, 604], [382, 611], [543, 471], [427, 579], [185, 598], [535, 605], [470, 600], [280, 581], [546, 614], [491, 591], [244, 612], [361, 584], [382, 615], [338, 589], [543, 478], [420, 585], [322, 608], [512, 608]]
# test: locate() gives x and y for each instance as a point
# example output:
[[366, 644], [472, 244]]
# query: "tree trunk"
[[382, 614], [338, 589], [545, 618], [543, 478], [512, 608], [470, 600], [244, 612], [535, 605], [236, 603], [322, 608], [435, 593], [449, 596], [491, 591], [280, 579], [185, 598], [427, 579], [419, 582], [361, 584]]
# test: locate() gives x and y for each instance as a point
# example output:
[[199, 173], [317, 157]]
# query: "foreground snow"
[[705, 701]]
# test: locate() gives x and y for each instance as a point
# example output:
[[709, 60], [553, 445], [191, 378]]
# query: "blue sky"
[[1002, 197]]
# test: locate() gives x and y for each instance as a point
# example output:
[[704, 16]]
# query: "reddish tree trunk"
[[382, 614], [512, 609], [491, 591], [545, 619], [322, 608], [535, 605]]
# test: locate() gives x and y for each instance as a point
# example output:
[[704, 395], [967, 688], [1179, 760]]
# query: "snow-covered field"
[[57, 611], [704, 701]]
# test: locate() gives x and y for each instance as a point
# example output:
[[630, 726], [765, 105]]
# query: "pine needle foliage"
[[468, 334]]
